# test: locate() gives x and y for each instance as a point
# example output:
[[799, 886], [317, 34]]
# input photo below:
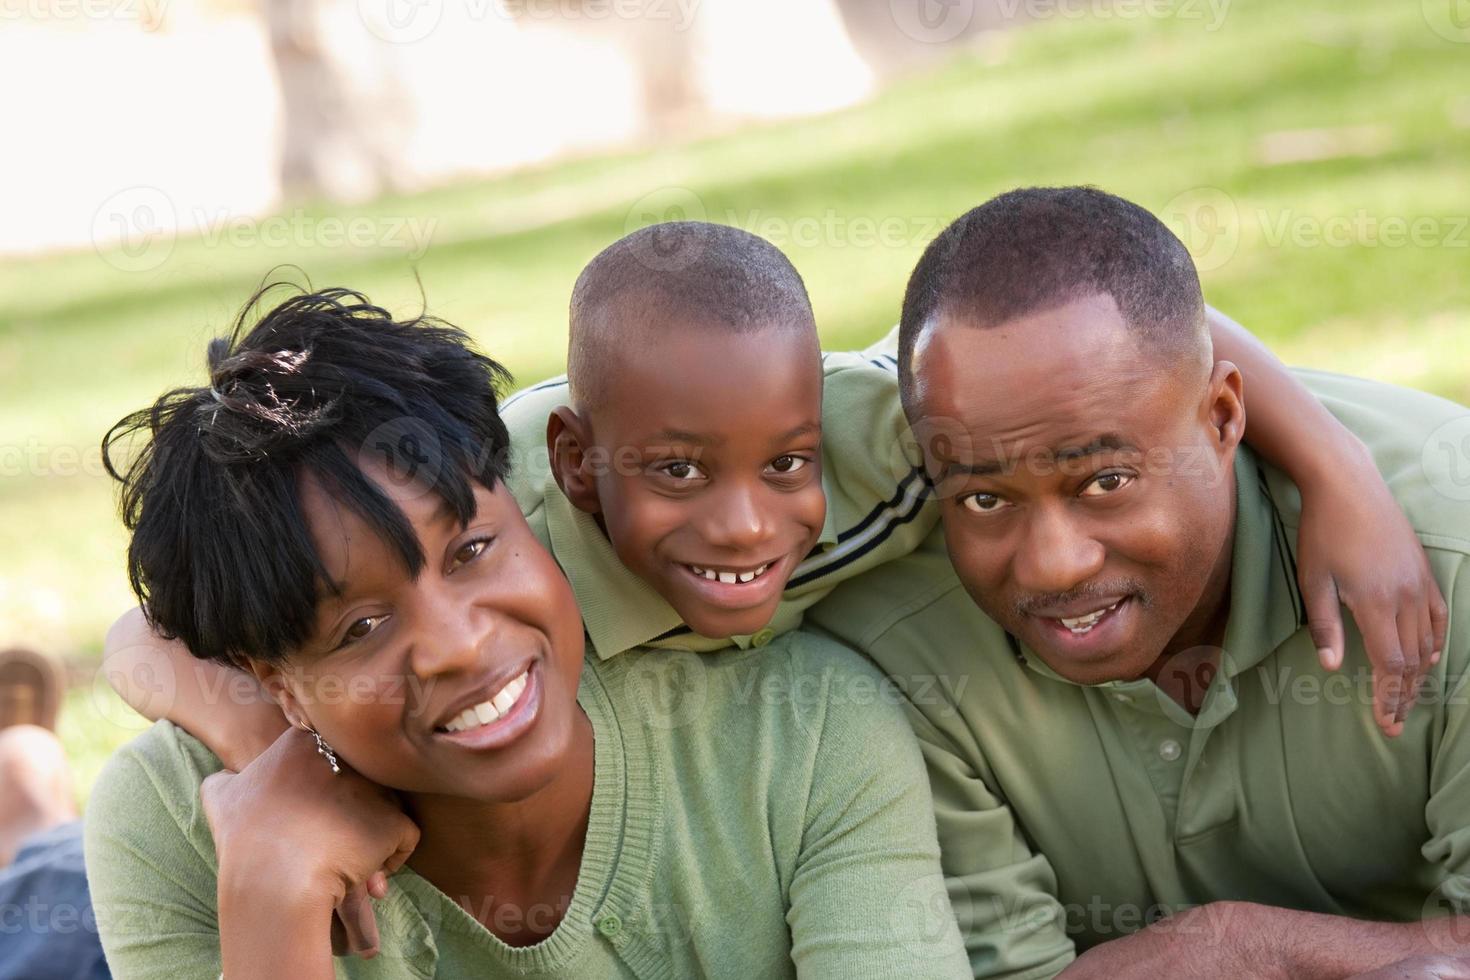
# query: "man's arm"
[[1245, 940], [226, 709], [1356, 547]]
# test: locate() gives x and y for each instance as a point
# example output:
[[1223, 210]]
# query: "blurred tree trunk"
[[340, 138]]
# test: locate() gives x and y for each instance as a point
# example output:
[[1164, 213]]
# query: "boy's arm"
[[224, 708], [1356, 547]]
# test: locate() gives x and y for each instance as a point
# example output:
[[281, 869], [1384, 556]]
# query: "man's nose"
[[738, 519], [1056, 553]]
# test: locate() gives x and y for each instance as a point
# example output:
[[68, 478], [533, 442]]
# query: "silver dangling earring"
[[325, 751]]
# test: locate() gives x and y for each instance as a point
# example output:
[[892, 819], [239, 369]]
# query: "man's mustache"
[[1132, 588]]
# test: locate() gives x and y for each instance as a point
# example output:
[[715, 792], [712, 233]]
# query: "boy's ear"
[[568, 441], [274, 681]]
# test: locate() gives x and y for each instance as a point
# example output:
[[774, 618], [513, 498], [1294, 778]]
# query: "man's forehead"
[[995, 456]]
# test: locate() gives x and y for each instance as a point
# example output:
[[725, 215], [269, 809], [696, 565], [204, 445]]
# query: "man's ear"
[[568, 441], [273, 679], [1226, 406]]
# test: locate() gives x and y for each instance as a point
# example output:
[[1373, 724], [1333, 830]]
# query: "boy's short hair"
[[671, 274], [221, 556], [1039, 247]]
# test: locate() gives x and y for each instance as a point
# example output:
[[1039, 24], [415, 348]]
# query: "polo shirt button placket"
[[1170, 750]]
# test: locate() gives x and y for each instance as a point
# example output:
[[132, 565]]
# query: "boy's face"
[[708, 469], [394, 662]]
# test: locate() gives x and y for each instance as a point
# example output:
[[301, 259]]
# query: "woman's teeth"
[[1084, 624], [729, 578], [493, 710]]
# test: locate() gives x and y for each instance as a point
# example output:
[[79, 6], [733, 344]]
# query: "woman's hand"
[[1357, 549], [294, 841]]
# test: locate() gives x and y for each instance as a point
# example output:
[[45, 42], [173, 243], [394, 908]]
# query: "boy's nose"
[[737, 520]]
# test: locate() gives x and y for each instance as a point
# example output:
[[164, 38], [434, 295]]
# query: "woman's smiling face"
[[461, 681]]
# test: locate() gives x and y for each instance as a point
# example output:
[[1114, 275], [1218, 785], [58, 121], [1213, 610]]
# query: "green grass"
[[1154, 109]]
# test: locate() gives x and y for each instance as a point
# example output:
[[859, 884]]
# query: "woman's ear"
[[568, 444], [273, 679]]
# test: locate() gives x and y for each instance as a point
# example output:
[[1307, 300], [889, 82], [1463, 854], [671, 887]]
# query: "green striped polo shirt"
[[878, 507], [759, 813], [1069, 815]]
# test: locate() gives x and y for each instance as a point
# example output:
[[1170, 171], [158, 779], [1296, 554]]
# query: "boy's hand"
[[1357, 549], [287, 817]]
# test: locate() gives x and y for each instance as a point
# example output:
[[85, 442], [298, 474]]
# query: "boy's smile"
[[702, 460]]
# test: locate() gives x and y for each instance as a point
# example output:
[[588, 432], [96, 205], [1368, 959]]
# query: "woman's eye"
[[984, 503], [788, 464], [1105, 484], [361, 629], [470, 550]]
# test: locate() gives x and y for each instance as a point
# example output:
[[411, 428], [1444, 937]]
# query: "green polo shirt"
[[1070, 815], [878, 507], [757, 813]]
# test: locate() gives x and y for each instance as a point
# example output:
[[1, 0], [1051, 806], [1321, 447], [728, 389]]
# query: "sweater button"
[[610, 925], [762, 638]]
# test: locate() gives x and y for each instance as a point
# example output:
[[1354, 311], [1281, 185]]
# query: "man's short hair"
[[671, 275], [1036, 248], [221, 555]]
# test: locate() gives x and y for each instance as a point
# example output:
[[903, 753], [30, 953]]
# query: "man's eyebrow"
[[1107, 442]]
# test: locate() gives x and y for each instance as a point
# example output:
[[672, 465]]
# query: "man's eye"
[[1106, 483], [983, 503], [361, 629], [788, 464]]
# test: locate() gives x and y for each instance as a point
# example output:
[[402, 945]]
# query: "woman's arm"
[[1356, 547], [224, 708]]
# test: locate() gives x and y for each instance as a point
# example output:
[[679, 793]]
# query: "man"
[[1134, 723]]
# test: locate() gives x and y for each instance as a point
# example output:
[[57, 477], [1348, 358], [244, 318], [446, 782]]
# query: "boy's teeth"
[[729, 578], [490, 711]]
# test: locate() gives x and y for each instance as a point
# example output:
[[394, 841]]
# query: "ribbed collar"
[[618, 859]]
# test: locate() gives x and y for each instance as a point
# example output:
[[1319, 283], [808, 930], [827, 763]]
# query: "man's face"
[[708, 474], [395, 662], [1086, 484]]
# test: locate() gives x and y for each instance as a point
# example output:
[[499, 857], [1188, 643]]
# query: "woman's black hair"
[[221, 556]]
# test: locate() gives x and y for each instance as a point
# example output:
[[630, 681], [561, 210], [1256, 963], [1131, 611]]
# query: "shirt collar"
[[1265, 604]]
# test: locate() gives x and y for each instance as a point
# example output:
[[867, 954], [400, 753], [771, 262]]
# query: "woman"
[[330, 513]]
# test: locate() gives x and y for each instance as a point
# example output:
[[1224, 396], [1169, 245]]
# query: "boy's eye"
[[681, 469], [984, 503], [1106, 483], [788, 463], [361, 629]]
